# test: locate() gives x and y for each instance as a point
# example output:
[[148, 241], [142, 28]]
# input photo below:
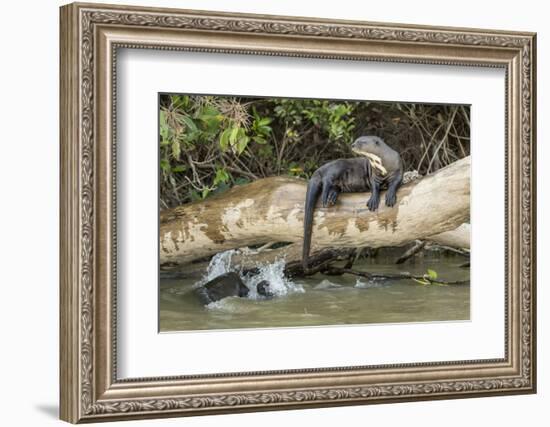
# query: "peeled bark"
[[272, 209]]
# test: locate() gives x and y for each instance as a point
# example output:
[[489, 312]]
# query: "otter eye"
[[376, 142]]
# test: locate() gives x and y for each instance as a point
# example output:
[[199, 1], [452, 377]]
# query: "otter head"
[[382, 157], [263, 289]]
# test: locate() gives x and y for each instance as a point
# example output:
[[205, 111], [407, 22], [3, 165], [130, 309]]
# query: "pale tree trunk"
[[272, 210], [457, 238]]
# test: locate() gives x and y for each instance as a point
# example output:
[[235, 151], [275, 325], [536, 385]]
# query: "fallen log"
[[249, 259], [292, 253], [272, 210], [457, 238]]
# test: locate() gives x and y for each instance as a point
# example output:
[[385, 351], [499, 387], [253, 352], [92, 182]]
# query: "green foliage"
[[260, 128], [209, 144], [431, 274], [429, 278], [221, 177], [332, 119]]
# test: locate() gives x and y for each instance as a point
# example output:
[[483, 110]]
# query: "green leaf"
[[205, 193], [242, 143], [221, 177], [432, 274], [194, 195], [233, 135], [188, 121], [422, 281], [179, 101], [163, 124], [165, 165], [224, 139], [211, 124], [190, 137], [179, 168], [209, 111], [264, 121], [176, 149]]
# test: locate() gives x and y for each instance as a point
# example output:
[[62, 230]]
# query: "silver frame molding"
[[90, 37]]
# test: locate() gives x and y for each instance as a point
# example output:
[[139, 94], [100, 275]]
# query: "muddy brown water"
[[326, 300]]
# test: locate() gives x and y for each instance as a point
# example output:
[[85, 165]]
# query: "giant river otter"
[[380, 168], [229, 285]]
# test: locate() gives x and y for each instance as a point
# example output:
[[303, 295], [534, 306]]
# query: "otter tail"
[[314, 187]]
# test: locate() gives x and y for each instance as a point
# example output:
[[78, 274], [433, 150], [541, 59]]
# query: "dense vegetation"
[[211, 143]]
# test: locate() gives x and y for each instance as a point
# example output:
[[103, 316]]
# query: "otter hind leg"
[[330, 194], [333, 196]]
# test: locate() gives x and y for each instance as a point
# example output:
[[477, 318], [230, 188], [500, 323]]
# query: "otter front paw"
[[391, 198], [373, 203]]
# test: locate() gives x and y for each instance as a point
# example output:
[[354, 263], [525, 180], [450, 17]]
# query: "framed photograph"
[[267, 212]]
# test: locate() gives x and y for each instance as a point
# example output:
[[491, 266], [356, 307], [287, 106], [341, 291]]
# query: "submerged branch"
[[418, 246], [337, 271]]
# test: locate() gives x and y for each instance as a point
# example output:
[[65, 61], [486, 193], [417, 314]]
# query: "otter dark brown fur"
[[229, 285], [381, 168]]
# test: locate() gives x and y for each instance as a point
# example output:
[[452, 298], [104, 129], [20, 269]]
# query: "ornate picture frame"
[[90, 37]]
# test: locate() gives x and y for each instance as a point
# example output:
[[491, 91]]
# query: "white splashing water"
[[273, 273], [219, 264], [372, 283]]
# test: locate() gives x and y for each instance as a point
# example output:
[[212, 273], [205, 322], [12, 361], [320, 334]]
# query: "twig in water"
[[336, 271]]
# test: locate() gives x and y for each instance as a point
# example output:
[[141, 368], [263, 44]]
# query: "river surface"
[[322, 300]]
